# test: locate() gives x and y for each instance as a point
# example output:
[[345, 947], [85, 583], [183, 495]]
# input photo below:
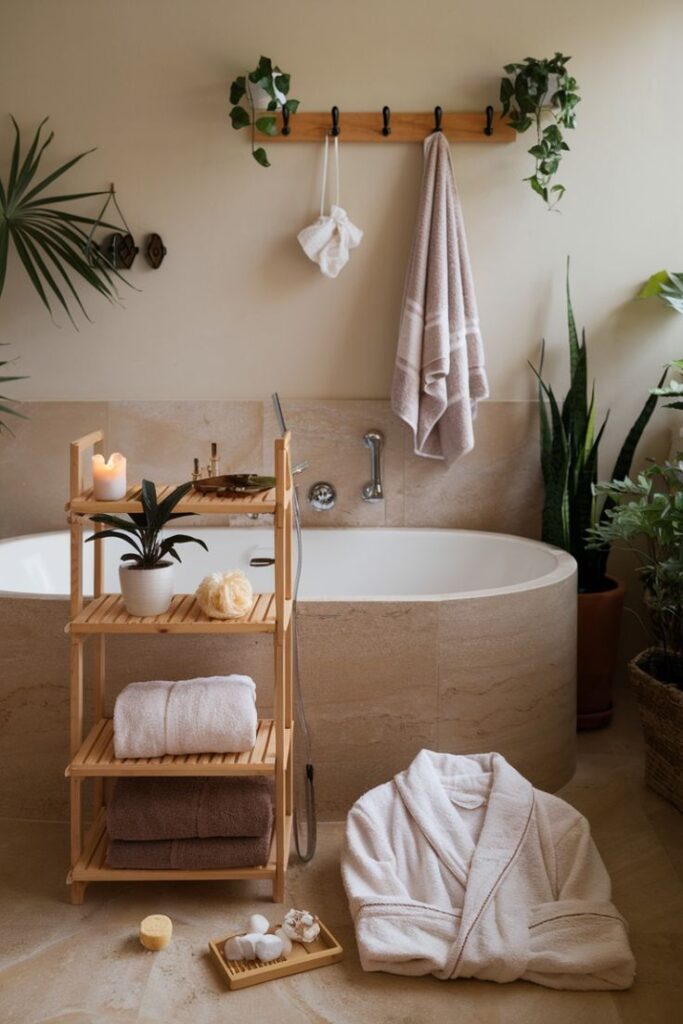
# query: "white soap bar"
[[268, 947], [285, 940], [156, 931], [241, 947], [258, 923]]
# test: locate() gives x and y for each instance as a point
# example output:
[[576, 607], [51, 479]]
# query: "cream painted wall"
[[237, 310]]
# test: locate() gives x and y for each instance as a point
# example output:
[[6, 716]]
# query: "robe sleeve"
[[579, 940], [394, 933]]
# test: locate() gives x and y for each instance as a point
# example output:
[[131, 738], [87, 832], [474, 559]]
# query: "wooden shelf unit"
[[92, 749]]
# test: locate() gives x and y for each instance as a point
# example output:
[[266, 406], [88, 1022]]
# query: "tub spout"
[[372, 490]]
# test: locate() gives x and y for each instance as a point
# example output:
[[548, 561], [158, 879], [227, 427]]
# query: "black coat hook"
[[386, 117], [335, 121], [285, 120], [437, 118], [488, 130]]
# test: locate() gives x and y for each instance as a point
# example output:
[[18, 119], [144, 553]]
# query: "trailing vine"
[[524, 95], [276, 83]]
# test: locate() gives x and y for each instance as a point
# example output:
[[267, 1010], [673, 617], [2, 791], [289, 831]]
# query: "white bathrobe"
[[459, 868]]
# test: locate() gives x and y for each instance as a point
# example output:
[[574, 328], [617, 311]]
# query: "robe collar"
[[479, 867]]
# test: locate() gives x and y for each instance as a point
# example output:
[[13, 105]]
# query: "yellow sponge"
[[156, 931]]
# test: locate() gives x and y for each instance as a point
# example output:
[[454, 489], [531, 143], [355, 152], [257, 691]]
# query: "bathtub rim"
[[565, 567]]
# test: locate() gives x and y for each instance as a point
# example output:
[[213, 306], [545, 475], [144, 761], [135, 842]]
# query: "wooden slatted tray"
[[92, 866], [243, 973], [195, 501], [107, 614], [96, 757]]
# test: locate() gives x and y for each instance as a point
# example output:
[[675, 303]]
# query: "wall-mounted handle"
[[372, 490]]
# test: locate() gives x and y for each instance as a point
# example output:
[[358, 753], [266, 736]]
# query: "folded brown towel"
[[189, 854], [190, 808]]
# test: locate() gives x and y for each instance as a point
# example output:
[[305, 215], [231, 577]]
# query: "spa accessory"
[[217, 853], [459, 868], [372, 491], [439, 374], [225, 595], [285, 940], [301, 926], [213, 714], [327, 242], [211, 471], [198, 807], [322, 496], [232, 483], [155, 251], [109, 478], [254, 946], [156, 931]]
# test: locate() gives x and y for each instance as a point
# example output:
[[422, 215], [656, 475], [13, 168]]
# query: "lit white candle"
[[109, 478]]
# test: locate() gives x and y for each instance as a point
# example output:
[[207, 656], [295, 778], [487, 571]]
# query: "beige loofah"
[[225, 595]]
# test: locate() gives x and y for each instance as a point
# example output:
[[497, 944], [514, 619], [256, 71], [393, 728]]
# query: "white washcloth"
[[214, 714], [327, 242], [439, 373]]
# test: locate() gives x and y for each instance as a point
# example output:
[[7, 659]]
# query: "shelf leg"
[[76, 820], [77, 893], [99, 654]]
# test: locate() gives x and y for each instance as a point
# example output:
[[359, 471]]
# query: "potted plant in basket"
[[570, 442], [650, 510], [146, 573]]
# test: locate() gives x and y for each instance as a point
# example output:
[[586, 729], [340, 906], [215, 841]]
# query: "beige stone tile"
[[329, 435], [496, 486], [34, 464]]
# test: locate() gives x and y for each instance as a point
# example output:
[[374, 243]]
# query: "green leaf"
[[237, 90], [148, 497], [170, 502], [282, 83], [239, 117], [292, 106], [266, 125], [260, 157]]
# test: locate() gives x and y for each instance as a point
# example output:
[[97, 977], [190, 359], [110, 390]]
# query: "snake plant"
[[570, 443], [50, 240]]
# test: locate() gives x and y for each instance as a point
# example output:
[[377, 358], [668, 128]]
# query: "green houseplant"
[[146, 572], [647, 516], [265, 90], [570, 444], [541, 94], [5, 409]]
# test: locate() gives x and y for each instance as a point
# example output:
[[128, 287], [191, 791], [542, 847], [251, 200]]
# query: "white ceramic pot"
[[147, 591], [260, 98]]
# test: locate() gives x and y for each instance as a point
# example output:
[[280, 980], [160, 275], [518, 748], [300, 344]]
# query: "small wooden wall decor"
[[386, 126], [155, 251], [121, 250]]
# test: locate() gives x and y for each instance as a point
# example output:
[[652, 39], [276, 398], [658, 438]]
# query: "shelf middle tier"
[[96, 759], [107, 614]]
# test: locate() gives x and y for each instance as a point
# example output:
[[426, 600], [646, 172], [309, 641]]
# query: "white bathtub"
[[409, 638]]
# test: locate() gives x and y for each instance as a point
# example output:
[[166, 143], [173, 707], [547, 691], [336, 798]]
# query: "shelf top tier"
[[107, 614], [193, 502]]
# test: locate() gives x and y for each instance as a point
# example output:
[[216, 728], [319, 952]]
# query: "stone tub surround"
[[83, 965], [495, 487]]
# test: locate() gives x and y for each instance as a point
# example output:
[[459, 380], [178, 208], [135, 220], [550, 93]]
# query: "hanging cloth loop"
[[327, 242]]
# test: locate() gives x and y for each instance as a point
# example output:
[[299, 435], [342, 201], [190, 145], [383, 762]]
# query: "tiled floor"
[[83, 965]]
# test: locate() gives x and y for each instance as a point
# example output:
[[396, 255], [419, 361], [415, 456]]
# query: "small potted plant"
[[147, 575], [649, 512], [265, 89]]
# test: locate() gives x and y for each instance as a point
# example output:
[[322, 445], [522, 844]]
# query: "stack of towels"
[[197, 822]]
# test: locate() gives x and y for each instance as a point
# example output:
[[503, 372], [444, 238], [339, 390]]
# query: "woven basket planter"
[[661, 712]]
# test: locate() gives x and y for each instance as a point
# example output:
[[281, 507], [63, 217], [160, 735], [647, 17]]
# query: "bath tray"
[[235, 483], [243, 973]]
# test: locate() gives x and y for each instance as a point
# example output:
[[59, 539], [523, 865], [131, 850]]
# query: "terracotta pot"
[[147, 591], [599, 624], [660, 706]]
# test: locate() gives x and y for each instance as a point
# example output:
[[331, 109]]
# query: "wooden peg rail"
[[413, 127]]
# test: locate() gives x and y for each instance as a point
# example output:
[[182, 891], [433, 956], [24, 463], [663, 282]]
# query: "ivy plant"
[[528, 102], [276, 83]]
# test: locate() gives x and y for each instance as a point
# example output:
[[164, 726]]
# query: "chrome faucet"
[[372, 490]]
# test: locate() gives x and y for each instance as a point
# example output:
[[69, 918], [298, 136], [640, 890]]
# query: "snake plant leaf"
[[50, 241]]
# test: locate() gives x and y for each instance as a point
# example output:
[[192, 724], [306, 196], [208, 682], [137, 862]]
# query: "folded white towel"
[[214, 714]]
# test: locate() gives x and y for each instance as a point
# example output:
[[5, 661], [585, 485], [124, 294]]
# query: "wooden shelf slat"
[[313, 126], [107, 614], [193, 502], [96, 757]]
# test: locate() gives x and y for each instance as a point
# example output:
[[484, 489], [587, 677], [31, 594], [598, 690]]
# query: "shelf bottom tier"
[[91, 865]]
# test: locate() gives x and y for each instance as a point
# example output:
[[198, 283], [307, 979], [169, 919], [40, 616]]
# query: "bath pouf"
[[301, 926], [225, 595], [156, 931]]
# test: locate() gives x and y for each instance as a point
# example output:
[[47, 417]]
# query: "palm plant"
[[142, 530], [51, 241], [7, 409], [570, 443]]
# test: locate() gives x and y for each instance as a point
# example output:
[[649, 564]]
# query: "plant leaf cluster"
[[270, 78], [524, 95], [668, 286], [4, 408], [50, 240], [142, 530], [570, 444], [649, 512]]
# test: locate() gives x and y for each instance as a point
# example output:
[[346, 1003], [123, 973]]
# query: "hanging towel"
[[327, 242], [211, 715], [190, 808], [439, 374]]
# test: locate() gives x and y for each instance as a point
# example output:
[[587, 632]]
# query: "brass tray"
[[235, 483]]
